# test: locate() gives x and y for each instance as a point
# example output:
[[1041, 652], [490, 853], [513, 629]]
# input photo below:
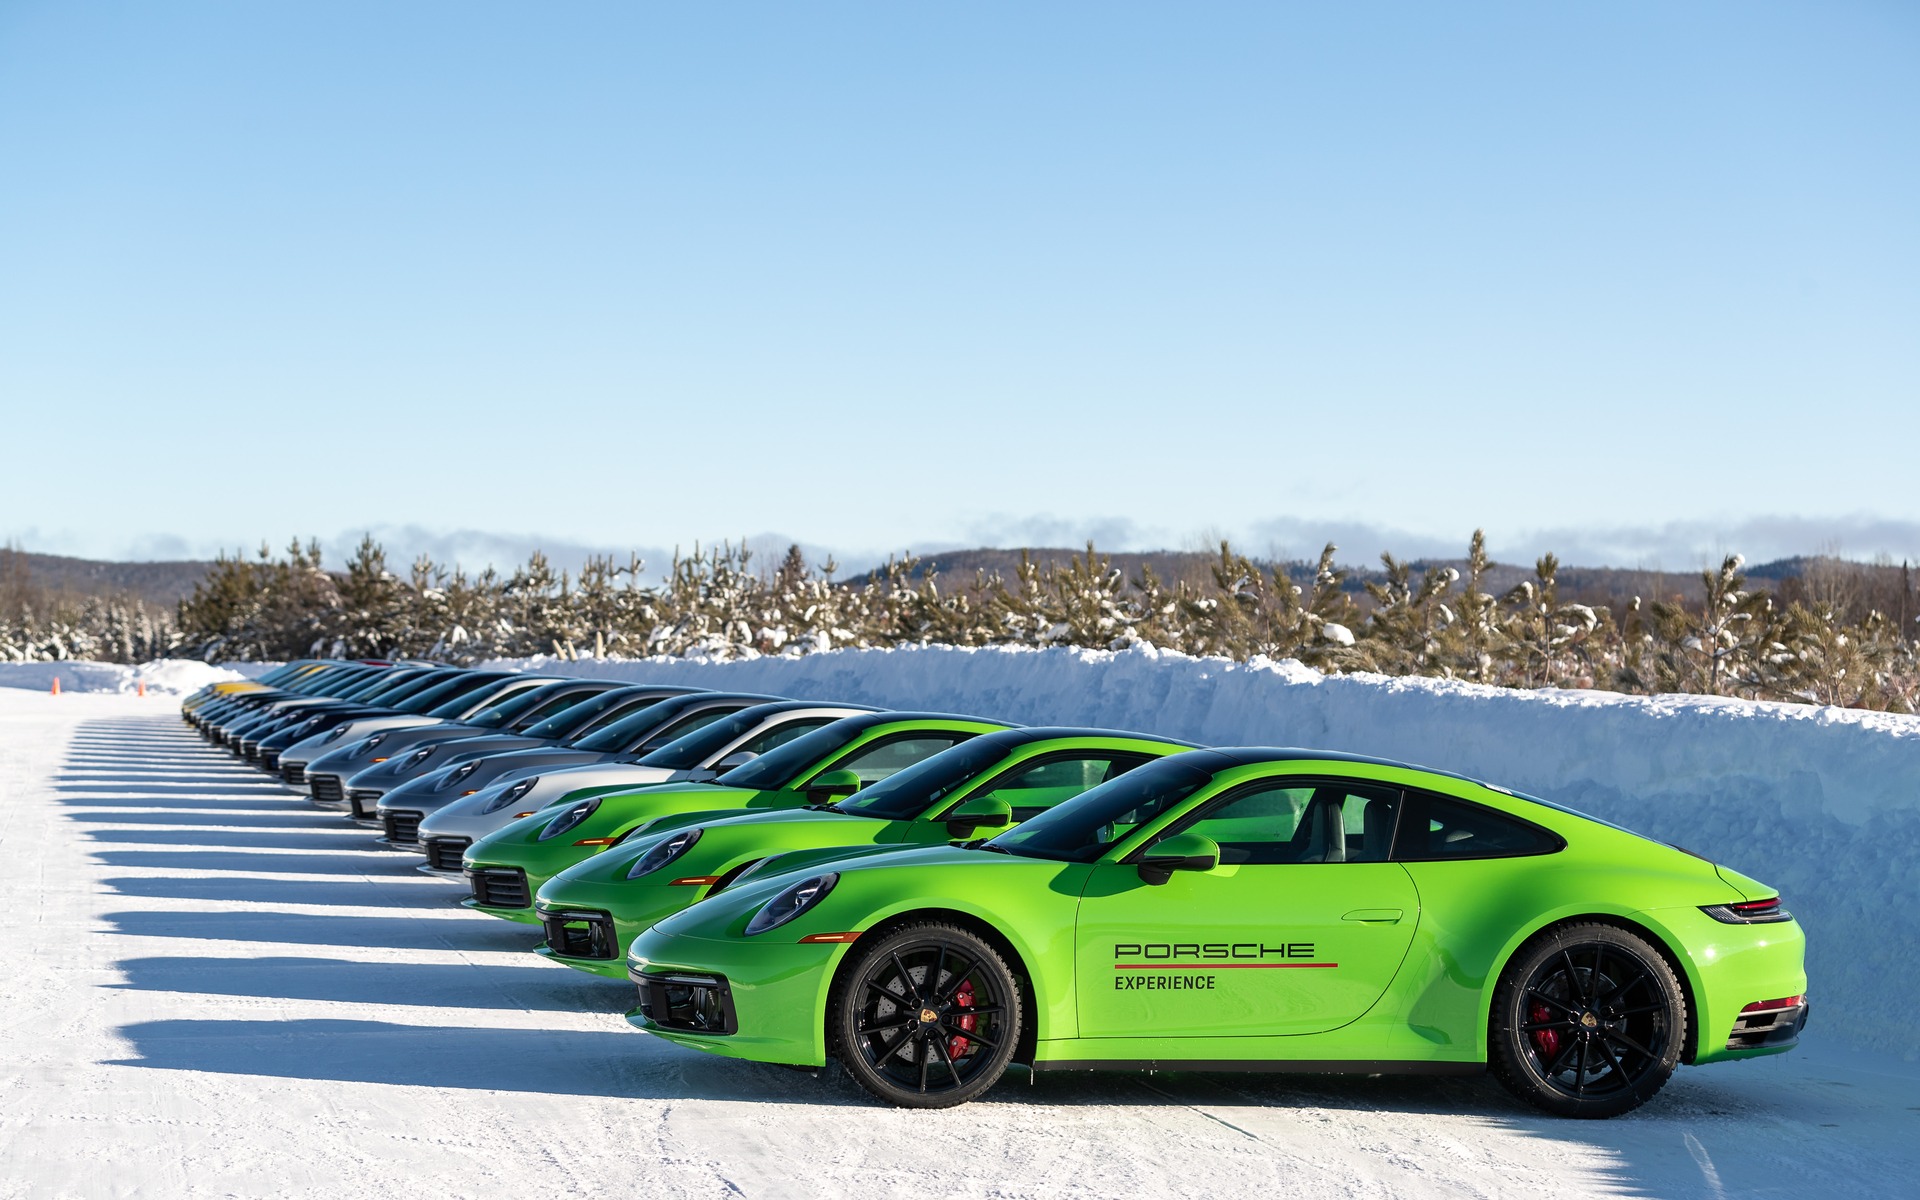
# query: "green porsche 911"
[[1268, 910], [831, 762], [592, 910]]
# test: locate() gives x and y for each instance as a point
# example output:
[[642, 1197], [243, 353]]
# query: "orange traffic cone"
[[139, 687], [56, 685]]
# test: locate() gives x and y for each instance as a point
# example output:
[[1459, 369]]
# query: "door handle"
[[1376, 916]]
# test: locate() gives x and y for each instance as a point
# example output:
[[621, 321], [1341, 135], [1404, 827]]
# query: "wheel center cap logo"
[[928, 1016], [1589, 1020]]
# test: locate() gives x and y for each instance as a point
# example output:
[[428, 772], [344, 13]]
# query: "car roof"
[[1250, 755], [1027, 735], [887, 717]]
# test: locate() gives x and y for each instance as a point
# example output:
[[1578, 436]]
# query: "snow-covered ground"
[[173, 676], [214, 989]]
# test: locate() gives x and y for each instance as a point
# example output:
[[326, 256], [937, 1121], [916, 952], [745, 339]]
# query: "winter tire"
[[1588, 1021], [926, 1016]]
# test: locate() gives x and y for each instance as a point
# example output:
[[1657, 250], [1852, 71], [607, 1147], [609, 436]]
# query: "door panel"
[[1300, 929]]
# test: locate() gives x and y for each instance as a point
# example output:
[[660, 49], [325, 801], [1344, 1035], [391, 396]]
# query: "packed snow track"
[[214, 989]]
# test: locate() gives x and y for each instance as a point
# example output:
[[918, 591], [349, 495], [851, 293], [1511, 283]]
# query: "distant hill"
[[1611, 586], [166, 583], [158, 583]]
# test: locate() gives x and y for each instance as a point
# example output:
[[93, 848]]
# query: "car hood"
[[466, 816], [315, 748], [729, 839], [351, 758], [616, 813], [721, 916], [400, 766], [437, 788]]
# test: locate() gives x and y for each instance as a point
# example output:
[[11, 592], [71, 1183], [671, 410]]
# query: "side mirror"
[[739, 758], [829, 785], [1181, 852], [981, 812]]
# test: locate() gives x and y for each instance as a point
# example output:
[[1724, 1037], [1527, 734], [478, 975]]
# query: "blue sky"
[[1637, 281]]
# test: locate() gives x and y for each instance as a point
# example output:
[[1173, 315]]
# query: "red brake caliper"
[[1547, 1041], [956, 1046]]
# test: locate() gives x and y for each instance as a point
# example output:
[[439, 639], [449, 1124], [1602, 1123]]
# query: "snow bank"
[[1822, 803], [176, 676]]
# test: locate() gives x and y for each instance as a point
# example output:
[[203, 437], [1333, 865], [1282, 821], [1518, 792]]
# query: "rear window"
[[1438, 828]]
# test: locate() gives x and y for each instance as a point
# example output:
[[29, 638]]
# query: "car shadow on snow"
[[1698, 1137], [154, 787], [263, 863], [536, 987], [348, 837], [448, 932], [411, 890], [615, 1063], [207, 817], [266, 803]]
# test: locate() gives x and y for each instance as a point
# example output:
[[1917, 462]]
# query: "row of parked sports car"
[[931, 898]]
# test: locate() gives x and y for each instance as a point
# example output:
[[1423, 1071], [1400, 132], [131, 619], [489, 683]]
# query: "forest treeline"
[[1838, 633]]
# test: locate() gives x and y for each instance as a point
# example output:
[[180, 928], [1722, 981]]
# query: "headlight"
[[373, 743], [664, 851], [791, 903], [335, 735], [510, 795], [569, 819], [461, 772], [419, 756]]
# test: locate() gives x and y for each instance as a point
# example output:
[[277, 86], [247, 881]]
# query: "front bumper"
[[581, 938], [402, 827], [327, 791], [701, 1005], [501, 892], [777, 992], [446, 856], [629, 909]]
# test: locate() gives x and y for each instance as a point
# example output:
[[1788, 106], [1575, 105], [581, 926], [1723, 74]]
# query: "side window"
[[1440, 827], [618, 712], [780, 735], [681, 728], [878, 759], [551, 708], [1294, 821], [1033, 787]]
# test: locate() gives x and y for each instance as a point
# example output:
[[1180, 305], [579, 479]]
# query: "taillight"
[[1771, 1005], [1748, 912]]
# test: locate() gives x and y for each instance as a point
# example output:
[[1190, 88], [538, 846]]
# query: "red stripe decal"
[[1219, 966]]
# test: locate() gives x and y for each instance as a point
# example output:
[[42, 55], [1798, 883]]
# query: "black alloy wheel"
[[926, 1016], [1588, 1021]]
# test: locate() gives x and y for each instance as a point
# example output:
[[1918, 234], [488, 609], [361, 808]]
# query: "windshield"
[[487, 697], [575, 717], [440, 693], [625, 733], [361, 689], [779, 768], [502, 711], [1081, 829], [396, 690], [696, 748], [907, 794], [307, 684]]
